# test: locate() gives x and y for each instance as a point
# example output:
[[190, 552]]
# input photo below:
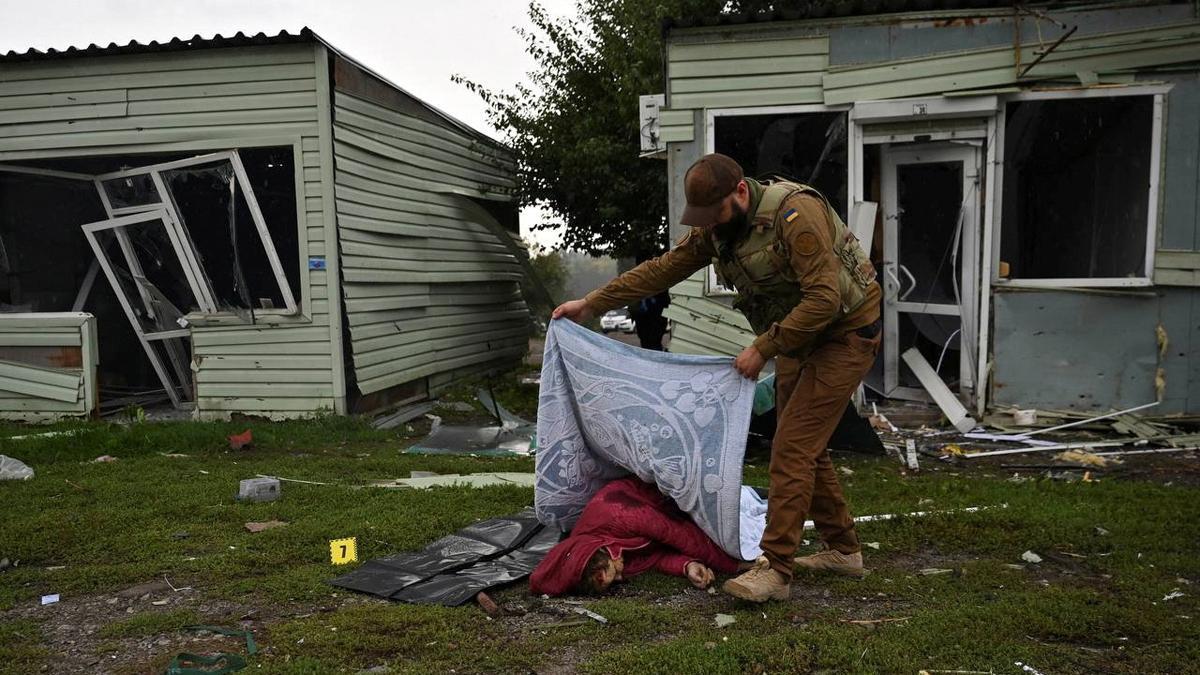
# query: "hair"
[[590, 581]]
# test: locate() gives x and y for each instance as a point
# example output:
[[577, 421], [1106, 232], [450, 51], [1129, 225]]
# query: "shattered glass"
[[211, 209], [130, 191]]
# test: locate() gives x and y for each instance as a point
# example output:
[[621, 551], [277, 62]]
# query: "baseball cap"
[[705, 185]]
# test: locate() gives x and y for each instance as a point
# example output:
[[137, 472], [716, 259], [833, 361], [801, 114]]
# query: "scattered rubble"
[[255, 528]]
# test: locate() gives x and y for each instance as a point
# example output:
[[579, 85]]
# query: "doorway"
[[930, 210]]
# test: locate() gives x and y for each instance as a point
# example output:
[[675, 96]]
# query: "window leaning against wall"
[[804, 144], [1079, 201]]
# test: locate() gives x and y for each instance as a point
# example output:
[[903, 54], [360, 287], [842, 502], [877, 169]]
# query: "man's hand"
[[575, 310], [699, 574], [750, 362]]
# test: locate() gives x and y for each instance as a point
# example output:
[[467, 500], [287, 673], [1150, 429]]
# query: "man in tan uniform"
[[809, 292]]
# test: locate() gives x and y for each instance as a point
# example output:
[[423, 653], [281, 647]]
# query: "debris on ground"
[[723, 620], [872, 545], [14, 469], [590, 614], [254, 528], [258, 490], [1100, 531], [242, 440], [489, 606], [458, 480], [1031, 557], [510, 436], [933, 571], [104, 459], [49, 599], [1084, 458], [403, 415], [1028, 669], [1175, 593]]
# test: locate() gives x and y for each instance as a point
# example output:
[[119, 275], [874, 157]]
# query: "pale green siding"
[[720, 73], [41, 391], [429, 291], [204, 100], [995, 67]]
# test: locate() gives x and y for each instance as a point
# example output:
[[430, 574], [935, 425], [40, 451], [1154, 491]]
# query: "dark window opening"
[[213, 209], [808, 148], [1076, 187]]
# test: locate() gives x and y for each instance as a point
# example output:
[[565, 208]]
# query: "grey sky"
[[417, 45]]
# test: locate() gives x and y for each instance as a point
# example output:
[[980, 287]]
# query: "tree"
[[575, 129], [551, 271]]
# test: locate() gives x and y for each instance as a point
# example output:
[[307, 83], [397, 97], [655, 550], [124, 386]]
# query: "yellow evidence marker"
[[343, 551]]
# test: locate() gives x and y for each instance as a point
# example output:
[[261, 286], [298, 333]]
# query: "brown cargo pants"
[[810, 398]]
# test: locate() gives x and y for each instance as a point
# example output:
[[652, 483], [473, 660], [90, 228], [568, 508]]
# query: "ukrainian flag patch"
[[790, 215]]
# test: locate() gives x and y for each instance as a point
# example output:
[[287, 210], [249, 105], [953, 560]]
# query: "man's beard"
[[730, 230]]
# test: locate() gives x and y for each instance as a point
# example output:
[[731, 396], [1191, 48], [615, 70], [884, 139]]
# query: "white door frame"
[[894, 302]]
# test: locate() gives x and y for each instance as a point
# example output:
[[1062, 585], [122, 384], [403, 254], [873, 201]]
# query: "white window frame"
[[1152, 215], [168, 337], [191, 262], [712, 287]]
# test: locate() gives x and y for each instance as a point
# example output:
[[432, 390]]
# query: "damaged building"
[[253, 225], [1025, 179]]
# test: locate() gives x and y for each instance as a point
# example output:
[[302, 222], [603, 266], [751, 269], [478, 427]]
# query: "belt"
[[870, 330]]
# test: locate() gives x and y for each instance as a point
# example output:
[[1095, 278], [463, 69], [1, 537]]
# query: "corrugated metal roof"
[[835, 9], [238, 39]]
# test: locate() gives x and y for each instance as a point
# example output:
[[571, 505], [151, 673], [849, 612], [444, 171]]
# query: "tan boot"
[[829, 560], [760, 583]]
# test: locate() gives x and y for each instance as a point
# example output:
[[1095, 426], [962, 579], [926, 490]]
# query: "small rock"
[[710, 645], [846, 471], [1031, 557], [144, 589], [180, 535], [1100, 531], [873, 544], [723, 620]]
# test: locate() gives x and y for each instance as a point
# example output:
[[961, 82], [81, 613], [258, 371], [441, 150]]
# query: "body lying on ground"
[[628, 528]]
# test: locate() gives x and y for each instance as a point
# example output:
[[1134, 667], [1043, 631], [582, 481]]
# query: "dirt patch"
[[138, 629]]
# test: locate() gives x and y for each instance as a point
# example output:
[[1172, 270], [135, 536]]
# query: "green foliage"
[[575, 128], [552, 272]]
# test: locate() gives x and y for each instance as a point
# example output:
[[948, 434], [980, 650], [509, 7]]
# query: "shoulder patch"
[[807, 244], [790, 215]]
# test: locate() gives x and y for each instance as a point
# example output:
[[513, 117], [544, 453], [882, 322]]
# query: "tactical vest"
[[759, 266]]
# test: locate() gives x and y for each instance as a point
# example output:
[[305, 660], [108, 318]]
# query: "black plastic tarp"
[[453, 569]]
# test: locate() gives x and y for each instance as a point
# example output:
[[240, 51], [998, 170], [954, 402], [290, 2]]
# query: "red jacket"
[[636, 522]]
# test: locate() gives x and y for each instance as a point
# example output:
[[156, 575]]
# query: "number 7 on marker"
[[343, 551]]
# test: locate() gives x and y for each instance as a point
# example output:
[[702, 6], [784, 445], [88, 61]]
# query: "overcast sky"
[[418, 45]]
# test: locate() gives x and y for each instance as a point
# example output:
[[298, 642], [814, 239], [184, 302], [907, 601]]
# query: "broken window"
[[167, 236], [1080, 182], [805, 147], [230, 246]]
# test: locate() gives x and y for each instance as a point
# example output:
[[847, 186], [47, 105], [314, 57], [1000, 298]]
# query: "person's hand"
[[750, 362], [699, 574], [575, 310]]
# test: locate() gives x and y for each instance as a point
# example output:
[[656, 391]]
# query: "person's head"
[[601, 571], [718, 198]]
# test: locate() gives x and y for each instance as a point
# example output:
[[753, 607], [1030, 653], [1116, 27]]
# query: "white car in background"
[[617, 319]]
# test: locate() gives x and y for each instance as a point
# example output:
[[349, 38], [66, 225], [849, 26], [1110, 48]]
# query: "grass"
[[112, 525]]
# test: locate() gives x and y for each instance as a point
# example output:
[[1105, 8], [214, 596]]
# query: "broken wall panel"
[[1076, 351], [36, 385], [185, 103], [429, 290]]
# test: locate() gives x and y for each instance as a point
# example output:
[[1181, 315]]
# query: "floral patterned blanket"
[[608, 410]]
